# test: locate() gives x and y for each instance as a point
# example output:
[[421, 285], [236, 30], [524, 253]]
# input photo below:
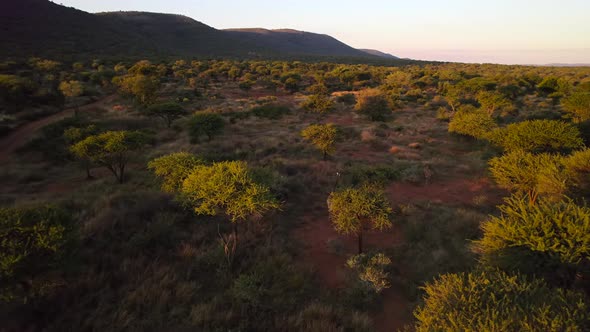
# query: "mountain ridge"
[[44, 28]]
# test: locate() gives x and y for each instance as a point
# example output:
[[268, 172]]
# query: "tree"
[[538, 136], [166, 111], [496, 301], [142, 87], [492, 101], [228, 188], [322, 136], [31, 241], [318, 103], [352, 210], [544, 238], [74, 135], [71, 89], [174, 169], [525, 173], [577, 167], [577, 105], [373, 103], [111, 149], [205, 123], [472, 122]]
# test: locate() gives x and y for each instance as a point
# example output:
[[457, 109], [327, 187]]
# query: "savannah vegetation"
[[226, 195]]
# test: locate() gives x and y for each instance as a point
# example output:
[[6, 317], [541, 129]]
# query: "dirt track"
[[21, 135]]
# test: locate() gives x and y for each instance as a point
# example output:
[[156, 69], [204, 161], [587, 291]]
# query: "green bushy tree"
[[227, 188], [111, 149], [371, 270], [166, 111], [323, 137], [472, 122], [31, 241], [496, 301], [374, 104], [173, 169], [551, 238], [205, 123], [577, 105], [538, 136], [352, 210], [526, 173]]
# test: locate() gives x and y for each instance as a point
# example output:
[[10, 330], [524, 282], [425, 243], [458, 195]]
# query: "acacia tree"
[[227, 188], [72, 89], [74, 135], [352, 210], [174, 169], [495, 301], [166, 111], [323, 137], [577, 105], [318, 103], [111, 149], [205, 123], [551, 238], [373, 103], [538, 136], [526, 173], [472, 122], [492, 101]]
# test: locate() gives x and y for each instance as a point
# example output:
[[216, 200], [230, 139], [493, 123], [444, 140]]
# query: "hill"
[[287, 41], [43, 28], [378, 53]]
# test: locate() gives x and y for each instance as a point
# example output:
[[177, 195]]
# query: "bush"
[[495, 301], [577, 105], [577, 167], [525, 173], [173, 169], [347, 98], [538, 136], [31, 241], [373, 104], [271, 111], [205, 123], [472, 122], [323, 137], [550, 238], [371, 270]]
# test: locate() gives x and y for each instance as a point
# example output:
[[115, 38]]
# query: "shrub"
[[373, 104], [31, 241], [347, 98], [472, 122], [205, 123], [322, 136], [547, 237], [577, 167], [371, 270], [577, 105], [530, 174], [538, 136], [271, 111], [318, 103], [495, 301]]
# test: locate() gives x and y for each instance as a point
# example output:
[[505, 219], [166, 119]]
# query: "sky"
[[492, 31]]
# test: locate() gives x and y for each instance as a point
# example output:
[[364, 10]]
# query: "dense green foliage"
[[495, 301], [31, 241], [166, 111], [174, 169], [323, 137], [111, 149], [548, 237], [270, 111], [205, 123], [538, 136], [472, 122], [373, 104], [577, 105], [352, 210], [526, 173]]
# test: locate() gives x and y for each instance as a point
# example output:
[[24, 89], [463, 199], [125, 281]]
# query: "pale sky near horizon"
[[495, 31]]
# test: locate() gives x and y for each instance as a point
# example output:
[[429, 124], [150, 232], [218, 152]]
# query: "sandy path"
[[21, 135]]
